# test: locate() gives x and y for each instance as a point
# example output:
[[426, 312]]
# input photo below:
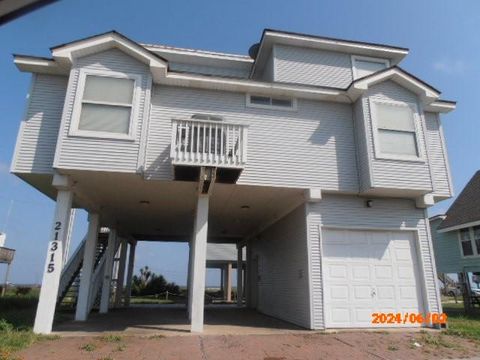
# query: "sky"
[[442, 36]]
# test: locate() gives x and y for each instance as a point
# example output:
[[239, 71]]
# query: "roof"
[[465, 211]]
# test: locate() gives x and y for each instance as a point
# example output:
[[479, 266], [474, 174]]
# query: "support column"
[[107, 275], [83, 301], [199, 244], [228, 282], [222, 288], [54, 262], [239, 275], [131, 262], [189, 279], [248, 276], [121, 273]]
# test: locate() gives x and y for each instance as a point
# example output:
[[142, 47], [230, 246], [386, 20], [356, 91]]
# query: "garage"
[[369, 272]]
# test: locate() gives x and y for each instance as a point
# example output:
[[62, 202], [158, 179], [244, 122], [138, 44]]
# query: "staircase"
[[70, 278]]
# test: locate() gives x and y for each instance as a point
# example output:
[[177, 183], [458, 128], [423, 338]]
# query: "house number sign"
[[54, 258]]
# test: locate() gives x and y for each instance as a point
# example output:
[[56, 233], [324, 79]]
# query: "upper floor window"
[[269, 102], [105, 105], [395, 130], [470, 241], [363, 66]]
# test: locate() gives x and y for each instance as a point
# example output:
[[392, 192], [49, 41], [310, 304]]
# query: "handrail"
[[208, 143], [71, 267]]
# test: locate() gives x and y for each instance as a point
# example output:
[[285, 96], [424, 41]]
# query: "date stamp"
[[409, 318]]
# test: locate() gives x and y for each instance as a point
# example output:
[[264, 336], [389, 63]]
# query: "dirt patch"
[[345, 345]]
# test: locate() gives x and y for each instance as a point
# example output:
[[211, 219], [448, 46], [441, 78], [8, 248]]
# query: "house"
[[456, 234], [224, 257], [320, 156]]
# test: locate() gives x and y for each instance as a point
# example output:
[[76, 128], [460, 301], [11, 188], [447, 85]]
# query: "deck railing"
[[208, 143]]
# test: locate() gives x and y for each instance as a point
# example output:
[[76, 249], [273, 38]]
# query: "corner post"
[[121, 273], [81, 313], [55, 254]]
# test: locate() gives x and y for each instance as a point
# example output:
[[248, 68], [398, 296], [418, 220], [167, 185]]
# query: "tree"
[[149, 283]]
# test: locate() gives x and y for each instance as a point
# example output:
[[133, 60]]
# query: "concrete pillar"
[[107, 275], [121, 273], [131, 263], [248, 277], [83, 301], [222, 288], [197, 295], [189, 279], [228, 282], [239, 275], [54, 262]]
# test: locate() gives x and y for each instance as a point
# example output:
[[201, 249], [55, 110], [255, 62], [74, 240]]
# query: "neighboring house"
[[224, 257], [318, 155], [456, 235]]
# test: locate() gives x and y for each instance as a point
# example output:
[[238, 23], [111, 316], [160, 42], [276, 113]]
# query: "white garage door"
[[369, 272]]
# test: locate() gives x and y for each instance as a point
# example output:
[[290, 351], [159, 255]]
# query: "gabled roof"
[[427, 92], [278, 37], [465, 211]]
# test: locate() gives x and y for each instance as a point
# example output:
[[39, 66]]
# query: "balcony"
[[197, 143]]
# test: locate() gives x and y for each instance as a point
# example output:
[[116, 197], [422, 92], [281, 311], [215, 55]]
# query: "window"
[[470, 241], [106, 105], [467, 248], [395, 130], [268, 102], [364, 66]]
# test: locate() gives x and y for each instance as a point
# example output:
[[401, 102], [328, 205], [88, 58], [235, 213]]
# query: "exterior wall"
[[283, 285], [90, 153], [269, 71], [448, 255], [350, 212], [395, 174], [38, 132], [209, 70], [437, 153], [311, 147], [223, 252], [312, 67]]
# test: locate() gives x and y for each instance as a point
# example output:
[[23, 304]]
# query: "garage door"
[[367, 272]]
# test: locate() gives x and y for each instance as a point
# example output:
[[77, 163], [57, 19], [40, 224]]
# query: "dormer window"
[[395, 130], [105, 105], [269, 102], [364, 66]]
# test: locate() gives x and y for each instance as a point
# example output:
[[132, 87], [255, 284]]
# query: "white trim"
[[476, 251], [458, 227], [78, 101], [445, 154], [356, 58], [306, 211], [248, 103], [147, 106], [433, 260], [376, 144], [198, 53]]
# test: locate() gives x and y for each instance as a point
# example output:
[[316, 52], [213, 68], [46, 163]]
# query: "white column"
[[228, 282], [54, 262], [121, 273], [131, 262], [248, 276], [222, 289], [189, 278], [68, 238], [82, 310], [107, 275], [239, 275], [199, 264]]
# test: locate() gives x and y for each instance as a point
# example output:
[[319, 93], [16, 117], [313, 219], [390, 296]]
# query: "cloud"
[[450, 67]]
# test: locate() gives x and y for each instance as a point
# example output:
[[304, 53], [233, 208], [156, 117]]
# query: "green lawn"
[[460, 324]]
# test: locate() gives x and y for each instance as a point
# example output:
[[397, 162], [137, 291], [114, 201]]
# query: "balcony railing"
[[208, 143]]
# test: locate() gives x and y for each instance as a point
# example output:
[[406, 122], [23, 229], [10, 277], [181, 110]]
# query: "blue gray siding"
[[283, 285], [96, 153], [448, 255], [437, 154], [210, 70], [38, 132], [312, 67], [350, 212], [393, 173], [311, 147]]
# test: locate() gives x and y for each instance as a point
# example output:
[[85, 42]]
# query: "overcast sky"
[[443, 37]]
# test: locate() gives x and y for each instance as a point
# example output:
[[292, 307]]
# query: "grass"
[[459, 324], [150, 300], [112, 338], [88, 347]]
